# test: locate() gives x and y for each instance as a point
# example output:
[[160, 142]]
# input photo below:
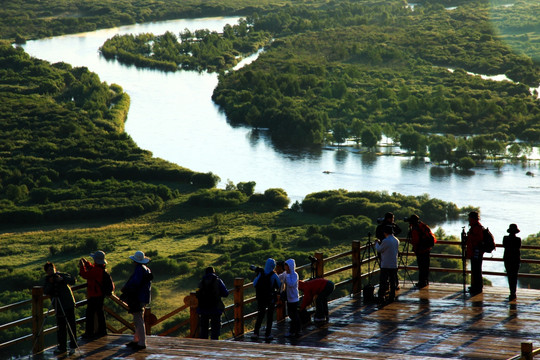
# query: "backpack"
[[265, 289], [208, 294], [488, 241], [107, 284]]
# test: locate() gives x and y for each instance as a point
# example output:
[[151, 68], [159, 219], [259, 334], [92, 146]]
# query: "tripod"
[[404, 258], [71, 332], [369, 289]]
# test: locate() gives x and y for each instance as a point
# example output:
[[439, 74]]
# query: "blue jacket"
[[269, 267], [140, 283]]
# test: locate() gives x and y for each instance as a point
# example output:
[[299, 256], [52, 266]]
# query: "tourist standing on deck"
[[389, 249], [474, 252], [210, 307], [512, 258]]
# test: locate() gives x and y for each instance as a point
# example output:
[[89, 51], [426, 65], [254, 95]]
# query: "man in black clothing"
[[388, 220]]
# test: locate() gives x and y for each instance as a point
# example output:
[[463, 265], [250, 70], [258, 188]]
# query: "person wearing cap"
[[512, 258], [422, 240], [474, 252], [389, 249], [137, 293], [93, 273]]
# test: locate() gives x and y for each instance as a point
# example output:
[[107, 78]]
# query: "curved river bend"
[[173, 116]]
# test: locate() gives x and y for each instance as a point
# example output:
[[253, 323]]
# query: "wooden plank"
[[434, 322]]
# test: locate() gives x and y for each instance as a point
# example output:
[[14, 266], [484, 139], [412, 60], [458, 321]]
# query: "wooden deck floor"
[[435, 322]]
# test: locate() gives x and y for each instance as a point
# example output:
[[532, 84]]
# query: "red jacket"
[[93, 273], [474, 239], [310, 289], [416, 230]]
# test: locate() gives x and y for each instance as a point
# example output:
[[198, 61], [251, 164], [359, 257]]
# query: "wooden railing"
[[527, 352], [358, 259]]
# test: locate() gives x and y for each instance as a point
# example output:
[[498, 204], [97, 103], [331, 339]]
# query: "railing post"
[[238, 306], [319, 266], [526, 350], [193, 316], [356, 268], [37, 319]]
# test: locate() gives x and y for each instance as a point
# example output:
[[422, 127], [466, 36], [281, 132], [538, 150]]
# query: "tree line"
[[198, 50], [368, 65]]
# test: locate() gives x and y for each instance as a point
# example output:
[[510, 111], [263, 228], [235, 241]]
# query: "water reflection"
[[341, 155], [369, 159], [440, 171]]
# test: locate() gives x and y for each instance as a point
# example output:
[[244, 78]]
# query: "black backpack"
[[265, 288], [208, 294], [488, 241], [107, 284]]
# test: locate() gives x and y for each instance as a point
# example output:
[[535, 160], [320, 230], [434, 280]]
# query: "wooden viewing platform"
[[436, 322]]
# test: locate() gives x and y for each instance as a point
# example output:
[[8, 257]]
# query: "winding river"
[[173, 116]]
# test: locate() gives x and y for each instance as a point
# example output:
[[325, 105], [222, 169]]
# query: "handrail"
[[527, 352], [240, 316]]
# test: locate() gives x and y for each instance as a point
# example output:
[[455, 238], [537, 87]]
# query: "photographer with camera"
[[94, 275], [387, 220], [389, 249], [211, 290], [57, 286], [422, 241], [267, 286]]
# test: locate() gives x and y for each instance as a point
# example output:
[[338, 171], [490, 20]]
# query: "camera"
[[256, 268], [312, 259], [380, 220]]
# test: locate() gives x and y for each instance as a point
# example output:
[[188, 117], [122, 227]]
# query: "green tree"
[[340, 132], [369, 139]]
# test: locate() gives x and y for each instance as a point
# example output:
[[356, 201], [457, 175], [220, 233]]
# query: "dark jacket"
[[379, 233], [211, 290], [57, 286], [138, 288]]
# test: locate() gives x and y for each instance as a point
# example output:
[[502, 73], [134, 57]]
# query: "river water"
[[173, 116]]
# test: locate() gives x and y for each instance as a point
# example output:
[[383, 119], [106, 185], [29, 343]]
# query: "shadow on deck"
[[435, 322]]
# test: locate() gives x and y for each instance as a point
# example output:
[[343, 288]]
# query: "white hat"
[[99, 257], [140, 258]]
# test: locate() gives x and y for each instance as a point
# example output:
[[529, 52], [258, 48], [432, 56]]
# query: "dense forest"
[[347, 68], [21, 20], [64, 153], [198, 50]]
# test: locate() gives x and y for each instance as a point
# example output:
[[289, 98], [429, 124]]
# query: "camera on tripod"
[[313, 259]]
